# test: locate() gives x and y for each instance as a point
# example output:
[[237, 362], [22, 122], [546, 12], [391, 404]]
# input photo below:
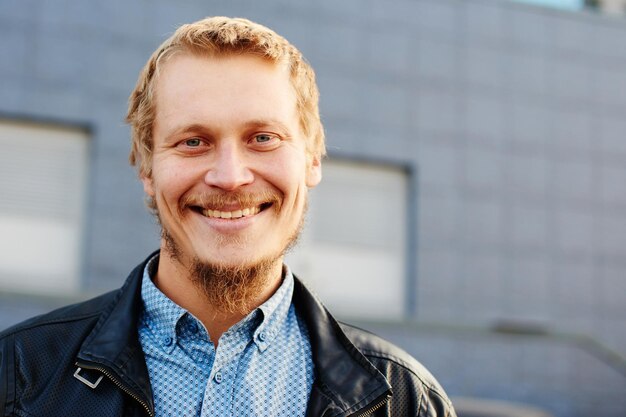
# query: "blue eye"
[[193, 142], [263, 138]]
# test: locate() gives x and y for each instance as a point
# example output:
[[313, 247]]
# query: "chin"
[[234, 261]]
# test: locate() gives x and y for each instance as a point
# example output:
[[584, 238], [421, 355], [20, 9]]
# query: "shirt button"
[[262, 336], [218, 377], [193, 328], [167, 341]]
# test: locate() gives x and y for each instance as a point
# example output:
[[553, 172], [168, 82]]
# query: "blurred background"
[[473, 207]]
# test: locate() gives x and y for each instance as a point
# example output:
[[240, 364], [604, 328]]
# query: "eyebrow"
[[259, 123], [250, 124], [194, 127]]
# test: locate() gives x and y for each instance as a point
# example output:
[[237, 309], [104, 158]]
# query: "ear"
[[148, 187], [314, 171]]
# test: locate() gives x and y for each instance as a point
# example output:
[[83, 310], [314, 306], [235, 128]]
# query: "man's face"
[[230, 171]]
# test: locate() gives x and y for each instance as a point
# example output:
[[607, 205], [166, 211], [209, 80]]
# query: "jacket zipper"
[[374, 408], [119, 385]]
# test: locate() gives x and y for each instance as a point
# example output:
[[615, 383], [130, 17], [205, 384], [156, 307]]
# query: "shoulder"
[[375, 347], [75, 315], [38, 356], [72, 323], [411, 382]]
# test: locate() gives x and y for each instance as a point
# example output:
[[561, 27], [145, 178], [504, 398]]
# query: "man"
[[228, 140]]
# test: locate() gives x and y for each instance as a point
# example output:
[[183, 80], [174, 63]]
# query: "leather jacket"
[[86, 360]]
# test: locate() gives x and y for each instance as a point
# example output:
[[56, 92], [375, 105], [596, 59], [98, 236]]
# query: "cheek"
[[172, 180], [289, 178]]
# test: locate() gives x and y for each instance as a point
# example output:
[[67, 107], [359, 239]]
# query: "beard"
[[231, 288]]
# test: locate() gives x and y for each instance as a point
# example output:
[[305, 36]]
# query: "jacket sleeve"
[[7, 375]]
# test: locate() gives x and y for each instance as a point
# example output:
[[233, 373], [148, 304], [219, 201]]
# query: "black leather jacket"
[[85, 360]]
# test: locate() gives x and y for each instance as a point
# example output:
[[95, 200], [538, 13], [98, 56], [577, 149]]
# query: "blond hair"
[[219, 36]]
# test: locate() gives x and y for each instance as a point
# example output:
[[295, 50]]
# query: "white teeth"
[[248, 211]]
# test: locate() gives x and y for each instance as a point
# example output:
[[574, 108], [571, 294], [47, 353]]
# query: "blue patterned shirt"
[[261, 367]]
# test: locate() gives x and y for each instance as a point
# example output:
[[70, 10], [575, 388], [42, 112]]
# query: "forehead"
[[223, 87]]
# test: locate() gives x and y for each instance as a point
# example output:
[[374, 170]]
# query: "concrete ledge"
[[478, 407]]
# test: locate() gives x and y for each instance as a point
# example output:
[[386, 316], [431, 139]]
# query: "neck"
[[177, 281]]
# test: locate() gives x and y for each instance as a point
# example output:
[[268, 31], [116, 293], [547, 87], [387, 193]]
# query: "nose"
[[229, 168]]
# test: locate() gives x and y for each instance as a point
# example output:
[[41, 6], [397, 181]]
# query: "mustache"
[[215, 200]]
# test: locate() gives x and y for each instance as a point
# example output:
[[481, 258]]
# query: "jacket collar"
[[113, 345], [345, 380]]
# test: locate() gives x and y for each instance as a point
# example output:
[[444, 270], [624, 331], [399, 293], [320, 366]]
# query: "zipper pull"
[[85, 381]]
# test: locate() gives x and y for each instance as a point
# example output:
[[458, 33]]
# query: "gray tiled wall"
[[512, 116]]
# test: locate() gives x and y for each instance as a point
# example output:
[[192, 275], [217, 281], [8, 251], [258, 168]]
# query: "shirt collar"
[[262, 325], [160, 313]]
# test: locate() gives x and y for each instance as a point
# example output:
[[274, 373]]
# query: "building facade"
[[475, 190]]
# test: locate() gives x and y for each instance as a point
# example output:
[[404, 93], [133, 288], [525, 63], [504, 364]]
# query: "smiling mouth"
[[235, 214]]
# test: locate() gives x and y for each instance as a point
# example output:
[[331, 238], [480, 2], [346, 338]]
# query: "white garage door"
[[43, 172], [353, 249]]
